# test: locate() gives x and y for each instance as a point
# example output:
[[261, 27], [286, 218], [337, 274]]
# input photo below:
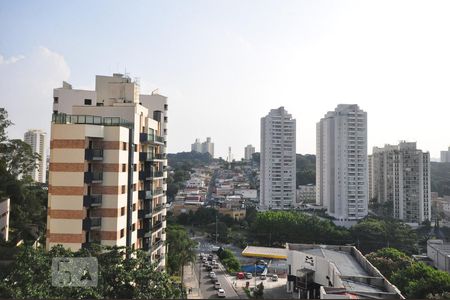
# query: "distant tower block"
[[230, 159]]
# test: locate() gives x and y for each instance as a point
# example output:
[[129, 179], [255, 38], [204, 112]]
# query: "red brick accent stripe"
[[66, 190], [112, 167], [67, 214], [106, 212], [67, 144], [67, 167], [109, 235], [66, 238]]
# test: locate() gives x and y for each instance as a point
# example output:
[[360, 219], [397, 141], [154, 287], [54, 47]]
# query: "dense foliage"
[[306, 169], [28, 199], [132, 278], [440, 178], [229, 260], [414, 279], [181, 249], [275, 228], [190, 159]]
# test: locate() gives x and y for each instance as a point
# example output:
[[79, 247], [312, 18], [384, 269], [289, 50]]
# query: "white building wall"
[[278, 160], [37, 139], [341, 170], [248, 152], [4, 218]]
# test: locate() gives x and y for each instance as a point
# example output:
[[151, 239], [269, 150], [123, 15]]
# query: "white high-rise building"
[[445, 156], [401, 175], [37, 140], [278, 173], [197, 146], [248, 152], [341, 163], [208, 147]]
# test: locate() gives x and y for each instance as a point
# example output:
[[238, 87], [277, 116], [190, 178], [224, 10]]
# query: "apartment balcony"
[[158, 208], [144, 213], [157, 174], [145, 195], [92, 223], [93, 177], [151, 138], [158, 243], [149, 156], [93, 154], [145, 175], [92, 200], [158, 258], [157, 192], [157, 226]]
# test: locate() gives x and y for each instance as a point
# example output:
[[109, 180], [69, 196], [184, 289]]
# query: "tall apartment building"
[[205, 147], [248, 152], [445, 156], [341, 163], [107, 178], [278, 173], [196, 146], [401, 175], [208, 147], [37, 140]]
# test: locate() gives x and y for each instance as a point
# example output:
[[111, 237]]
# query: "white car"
[[217, 285], [212, 274], [221, 293], [274, 277]]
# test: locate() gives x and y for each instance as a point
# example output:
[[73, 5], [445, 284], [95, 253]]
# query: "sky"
[[225, 63]]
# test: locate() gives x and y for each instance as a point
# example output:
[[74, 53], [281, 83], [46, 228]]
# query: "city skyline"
[[321, 54]]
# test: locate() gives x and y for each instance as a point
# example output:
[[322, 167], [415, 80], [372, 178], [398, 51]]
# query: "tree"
[[389, 260], [419, 280], [181, 249]]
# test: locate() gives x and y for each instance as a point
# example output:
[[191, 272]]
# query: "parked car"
[[217, 285], [248, 275], [240, 275], [221, 293], [274, 277], [215, 266], [208, 268], [263, 277], [211, 274], [214, 279]]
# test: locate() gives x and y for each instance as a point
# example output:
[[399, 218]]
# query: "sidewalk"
[[191, 281], [236, 286]]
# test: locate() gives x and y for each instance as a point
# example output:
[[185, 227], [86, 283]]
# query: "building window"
[[87, 101], [133, 227], [123, 189], [122, 233], [135, 167], [124, 167], [134, 187], [122, 211], [134, 206], [124, 146], [166, 106], [55, 100], [135, 148]]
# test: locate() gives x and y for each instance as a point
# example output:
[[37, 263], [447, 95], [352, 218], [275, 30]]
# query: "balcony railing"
[[93, 154], [145, 175], [158, 207], [158, 192], [151, 138], [92, 200], [145, 194], [93, 177], [92, 223], [157, 174], [157, 226], [144, 213], [149, 156], [157, 244]]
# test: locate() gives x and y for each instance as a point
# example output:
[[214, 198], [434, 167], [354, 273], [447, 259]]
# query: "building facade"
[[38, 142], [306, 194], [439, 253], [205, 147], [5, 208], [341, 163], [445, 156], [196, 146], [401, 175], [278, 169], [248, 152], [107, 177]]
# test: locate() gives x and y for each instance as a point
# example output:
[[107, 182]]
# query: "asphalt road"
[[206, 286]]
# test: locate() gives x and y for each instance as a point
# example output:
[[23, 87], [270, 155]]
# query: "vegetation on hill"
[[188, 160], [440, 178]]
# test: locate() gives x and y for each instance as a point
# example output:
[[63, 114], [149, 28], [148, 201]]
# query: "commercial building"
[[328, 272], [248, 152], [38, 142], [205, 147], [5, 208], [439, 253], [278, 169], [107, 178], [306, 194], [401, 175], [341, 163], [445, 156]]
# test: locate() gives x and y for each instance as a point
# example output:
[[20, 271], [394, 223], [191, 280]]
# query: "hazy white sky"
[[225, 64]]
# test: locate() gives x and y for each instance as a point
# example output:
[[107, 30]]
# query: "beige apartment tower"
[[107, 177]]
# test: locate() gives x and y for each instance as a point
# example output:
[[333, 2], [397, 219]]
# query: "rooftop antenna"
[[155, 91]]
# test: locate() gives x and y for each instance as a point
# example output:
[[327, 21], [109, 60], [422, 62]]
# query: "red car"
[[240, 275]]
